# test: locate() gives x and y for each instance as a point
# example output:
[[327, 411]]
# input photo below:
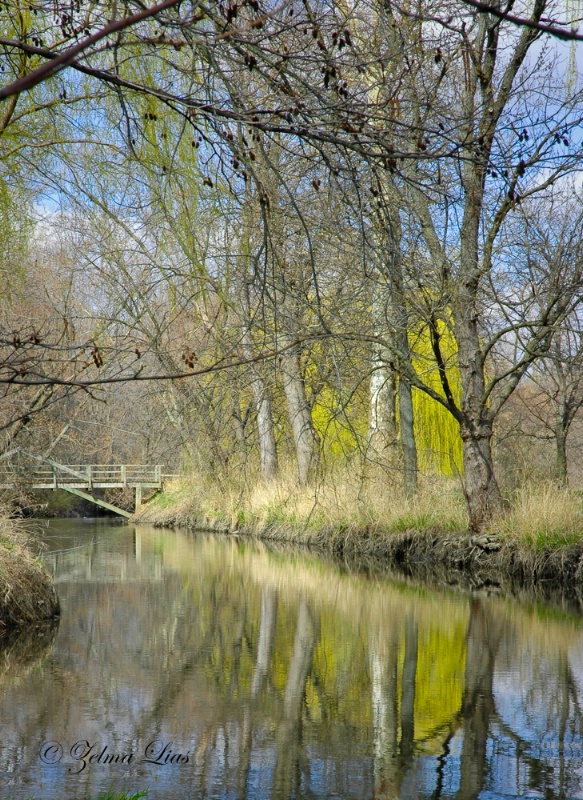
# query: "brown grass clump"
[[542, 515], [338, 503], [27, 592]]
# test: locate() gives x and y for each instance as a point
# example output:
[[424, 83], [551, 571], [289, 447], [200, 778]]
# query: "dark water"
[[196, 667]]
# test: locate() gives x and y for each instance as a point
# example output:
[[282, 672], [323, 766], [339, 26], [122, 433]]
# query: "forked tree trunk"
[[482, 492]]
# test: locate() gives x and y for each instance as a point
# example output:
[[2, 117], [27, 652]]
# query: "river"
[[194, 666]]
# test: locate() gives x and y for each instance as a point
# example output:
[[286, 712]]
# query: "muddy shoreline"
[[466, 560]]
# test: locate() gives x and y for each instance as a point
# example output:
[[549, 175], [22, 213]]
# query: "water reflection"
[[263, 674], [23, 649]]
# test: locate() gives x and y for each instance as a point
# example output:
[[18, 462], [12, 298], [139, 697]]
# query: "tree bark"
[[398, 328], [382, 432], [561, 445], [482, 492], [408, 444], [300, 417], [565, 414], [265, 428]]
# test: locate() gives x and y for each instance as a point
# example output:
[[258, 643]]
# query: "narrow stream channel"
[[194, 666]]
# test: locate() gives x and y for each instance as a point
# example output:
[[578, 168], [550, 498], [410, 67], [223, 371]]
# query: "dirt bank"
[[27, 592], [478, 561]]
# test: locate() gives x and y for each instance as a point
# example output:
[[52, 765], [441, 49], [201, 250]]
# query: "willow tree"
[[464, 121], [478, 91]]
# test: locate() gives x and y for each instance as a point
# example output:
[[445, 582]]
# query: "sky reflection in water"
[[262, 674]]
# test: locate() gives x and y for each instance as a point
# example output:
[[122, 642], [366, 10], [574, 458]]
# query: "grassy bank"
[[539, 536], [27, 593]]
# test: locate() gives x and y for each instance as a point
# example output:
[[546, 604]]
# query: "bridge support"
[[96, 501], [138, 504]]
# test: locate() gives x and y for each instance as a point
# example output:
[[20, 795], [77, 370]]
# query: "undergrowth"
[[27, 593], [542, 515], [537, 515], [337, 502]]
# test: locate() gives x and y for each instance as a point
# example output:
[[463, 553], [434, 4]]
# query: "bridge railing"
[[104, 475]]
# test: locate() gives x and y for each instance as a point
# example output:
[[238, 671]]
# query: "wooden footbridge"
[[40, 472]]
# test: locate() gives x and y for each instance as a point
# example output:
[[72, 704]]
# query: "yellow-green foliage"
[[439, 444], [339, 425]]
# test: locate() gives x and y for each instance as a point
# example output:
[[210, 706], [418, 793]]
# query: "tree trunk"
[[300, 417], [482, 492], [382, 433], [261, 396], [399, 329], [265, 429], [561, 445], [408, 445]]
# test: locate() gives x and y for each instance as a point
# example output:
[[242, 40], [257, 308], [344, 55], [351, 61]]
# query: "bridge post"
[[138, 497], [89, 481]]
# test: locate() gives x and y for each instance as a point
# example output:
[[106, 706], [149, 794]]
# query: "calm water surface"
[[201, 667]]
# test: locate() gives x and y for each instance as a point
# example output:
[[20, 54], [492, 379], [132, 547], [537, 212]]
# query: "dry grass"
[[539, 515], [539, 538], [27, 593], [336, 503], [542, 515]]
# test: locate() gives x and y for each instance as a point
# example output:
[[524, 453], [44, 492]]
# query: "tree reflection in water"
[[282, 676]]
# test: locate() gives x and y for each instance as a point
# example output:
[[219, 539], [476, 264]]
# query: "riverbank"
[[538, 540], [27, 591]]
